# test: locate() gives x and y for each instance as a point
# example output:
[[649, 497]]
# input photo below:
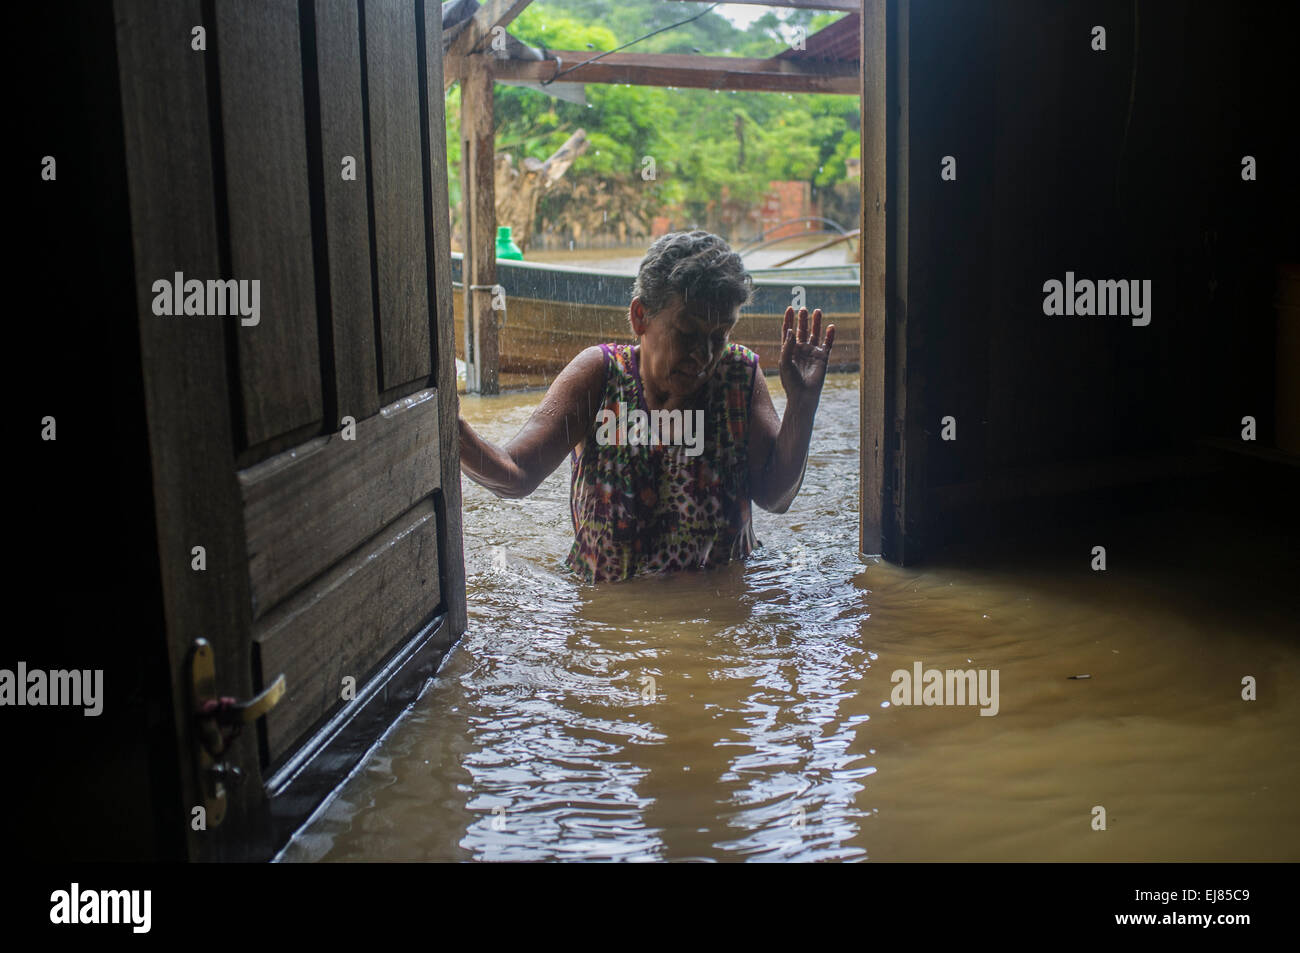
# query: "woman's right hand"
[[804, 355]]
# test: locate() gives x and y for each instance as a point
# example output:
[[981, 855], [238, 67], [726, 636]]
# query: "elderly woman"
[[672, 438]]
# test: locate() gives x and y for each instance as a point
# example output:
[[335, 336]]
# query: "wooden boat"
[[554, 311]]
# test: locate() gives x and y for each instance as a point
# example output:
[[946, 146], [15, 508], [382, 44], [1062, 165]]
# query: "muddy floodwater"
[[744, 713]]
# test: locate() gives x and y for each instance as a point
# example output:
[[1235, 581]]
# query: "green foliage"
[[694, 135]]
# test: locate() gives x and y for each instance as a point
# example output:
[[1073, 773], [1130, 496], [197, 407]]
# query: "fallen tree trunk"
[[518, 189]]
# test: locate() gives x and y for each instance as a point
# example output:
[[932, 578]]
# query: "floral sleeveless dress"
[[653, 508]]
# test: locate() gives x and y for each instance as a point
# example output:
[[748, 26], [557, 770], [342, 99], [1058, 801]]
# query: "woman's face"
[[680, 348]]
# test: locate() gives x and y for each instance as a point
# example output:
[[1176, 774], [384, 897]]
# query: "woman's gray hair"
[[700, 268]]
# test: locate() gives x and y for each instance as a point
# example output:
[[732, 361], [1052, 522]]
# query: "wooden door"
[[305, 456]]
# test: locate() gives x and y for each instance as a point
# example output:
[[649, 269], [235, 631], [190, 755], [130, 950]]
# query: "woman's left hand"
[[804, 355]]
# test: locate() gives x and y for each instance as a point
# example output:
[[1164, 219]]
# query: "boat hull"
[[553, 312]]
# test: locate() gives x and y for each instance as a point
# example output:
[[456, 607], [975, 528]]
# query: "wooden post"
[[478, 145], [892, 367], [905, 368], [876, 433]]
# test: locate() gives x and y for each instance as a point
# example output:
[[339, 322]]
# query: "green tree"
[[706, 144]]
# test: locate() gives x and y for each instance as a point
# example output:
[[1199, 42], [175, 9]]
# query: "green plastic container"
[[506, 248]]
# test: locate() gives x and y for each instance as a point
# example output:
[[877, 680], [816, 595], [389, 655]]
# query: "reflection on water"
[[742, 713]]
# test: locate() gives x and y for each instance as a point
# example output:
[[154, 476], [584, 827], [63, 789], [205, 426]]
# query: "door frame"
[[891, 385]]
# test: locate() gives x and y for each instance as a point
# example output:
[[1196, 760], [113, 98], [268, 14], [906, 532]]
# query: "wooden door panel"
[[343, 623], [397, 182], [269, 211], [309, 507], [340, 124]]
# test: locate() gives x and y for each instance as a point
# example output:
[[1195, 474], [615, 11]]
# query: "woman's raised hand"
[[804, 355]]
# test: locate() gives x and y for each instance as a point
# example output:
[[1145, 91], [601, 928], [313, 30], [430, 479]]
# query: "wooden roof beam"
[[475, 34], [685, 70]]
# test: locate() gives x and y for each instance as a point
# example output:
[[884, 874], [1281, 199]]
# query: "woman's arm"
[[559, 423], [778, 448]]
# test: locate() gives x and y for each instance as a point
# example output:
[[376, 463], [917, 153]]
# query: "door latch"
[[218, 720]]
